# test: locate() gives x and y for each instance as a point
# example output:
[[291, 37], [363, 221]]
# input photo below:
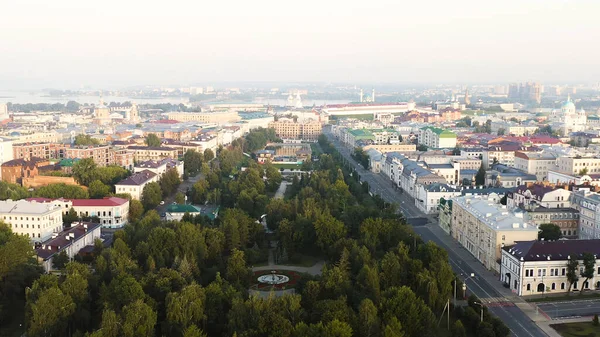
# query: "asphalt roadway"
[[575, 308], [518, 322]]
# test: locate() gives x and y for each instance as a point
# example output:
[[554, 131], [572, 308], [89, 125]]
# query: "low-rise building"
[[71, 241], [483, 227], [218, 117], [134, 184], [544, 194], [14, 171], [112, 212], [504, 176], [430, 196], [578, 165], [533, 267], [160, 167], [145, 153], [37, 221]]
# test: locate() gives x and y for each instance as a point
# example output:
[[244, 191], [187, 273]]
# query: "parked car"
[[162, 202]]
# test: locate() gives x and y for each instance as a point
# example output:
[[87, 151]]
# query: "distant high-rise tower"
[[361, 95], [373, 96], [467, 97]]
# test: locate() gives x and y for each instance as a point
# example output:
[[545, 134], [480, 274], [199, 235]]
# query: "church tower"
[[134, 114]]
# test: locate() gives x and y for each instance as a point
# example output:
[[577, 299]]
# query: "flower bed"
[[293, 276]]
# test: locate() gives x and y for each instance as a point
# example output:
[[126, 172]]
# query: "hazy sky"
[[115, 43]]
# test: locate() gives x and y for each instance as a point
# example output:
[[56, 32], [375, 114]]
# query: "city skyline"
[[71, 44]]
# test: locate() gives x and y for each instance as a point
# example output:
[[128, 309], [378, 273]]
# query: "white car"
[[162, 202]]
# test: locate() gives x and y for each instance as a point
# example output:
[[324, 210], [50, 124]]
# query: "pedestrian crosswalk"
[[496, 302]]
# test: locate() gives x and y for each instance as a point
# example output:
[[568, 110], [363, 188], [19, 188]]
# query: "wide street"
[[484, 285], [574, 308]]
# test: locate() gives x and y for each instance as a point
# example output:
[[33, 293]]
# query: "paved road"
[[575, 308], [485, 286], [182, 188]]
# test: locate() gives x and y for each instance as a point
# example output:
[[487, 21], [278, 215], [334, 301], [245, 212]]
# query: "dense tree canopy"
[[55, 191], [153, 140], [85, 140], [191, 277]]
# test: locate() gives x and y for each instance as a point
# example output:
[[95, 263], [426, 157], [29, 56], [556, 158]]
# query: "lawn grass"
[[288, 166], [564, 298], [579, 329]]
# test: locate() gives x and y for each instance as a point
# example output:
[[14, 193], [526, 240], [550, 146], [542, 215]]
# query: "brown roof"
[[552, 250]]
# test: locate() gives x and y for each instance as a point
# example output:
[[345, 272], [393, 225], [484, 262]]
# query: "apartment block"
[[483, 227], [37, 221]]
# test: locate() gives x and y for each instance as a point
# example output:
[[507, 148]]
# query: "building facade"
[[37, 221], [540, 267], [483, 227], [134, 184]]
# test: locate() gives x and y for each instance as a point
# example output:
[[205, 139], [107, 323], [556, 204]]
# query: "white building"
[[540, 267], [539, 194], [569, 119], [588, 205], [160, 167], [134, 185], [37, 221], [112, 212], [535, 163], [483, 227], [71, 241], [437, 138], [430, 195]]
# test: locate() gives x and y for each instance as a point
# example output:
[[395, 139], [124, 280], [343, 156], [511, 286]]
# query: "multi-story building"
[[578, 165], [535, 163], [288, 129], [182, 147], [504, 154], [540, 267], [124, 158], [565, 218], [37, 221], [472, 152], [40, 137], [505, 176], [430, 196], [160, 167], [588, 205], [112, 212], [134, 184], [145, 153], [102, 155], [437, 138], [220, 117], [39, 150], [483, 227], [544, 194], [71, 241]]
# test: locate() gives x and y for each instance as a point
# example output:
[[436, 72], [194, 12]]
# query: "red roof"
[[108, 201]]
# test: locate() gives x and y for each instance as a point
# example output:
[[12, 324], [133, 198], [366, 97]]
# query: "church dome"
[[568, 107]]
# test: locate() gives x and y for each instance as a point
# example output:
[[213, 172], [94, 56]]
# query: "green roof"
[[441, 132], [177, 208], [68, 162], [361, 134]]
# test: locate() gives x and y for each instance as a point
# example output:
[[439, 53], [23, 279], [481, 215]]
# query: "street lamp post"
[[481, 305], [464, 287]]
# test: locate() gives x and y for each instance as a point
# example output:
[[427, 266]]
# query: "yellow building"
[[288, 129], [483, 227], [220, 117]]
